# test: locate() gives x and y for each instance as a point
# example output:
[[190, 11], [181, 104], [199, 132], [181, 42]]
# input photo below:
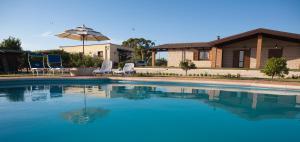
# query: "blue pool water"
[[114, 111]]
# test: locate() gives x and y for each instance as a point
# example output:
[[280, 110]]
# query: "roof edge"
[[66, 46]]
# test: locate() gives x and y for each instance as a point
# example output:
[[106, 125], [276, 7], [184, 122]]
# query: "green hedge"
[[75, 59]]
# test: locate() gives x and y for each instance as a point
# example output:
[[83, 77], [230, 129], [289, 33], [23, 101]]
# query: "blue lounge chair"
[[36, 63], [54, 63]]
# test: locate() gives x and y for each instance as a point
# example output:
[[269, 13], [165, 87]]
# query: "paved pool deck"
[[256, 83]]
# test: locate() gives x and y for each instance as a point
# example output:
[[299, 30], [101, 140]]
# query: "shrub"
[[121, 65], [276, 67], [187, 65], [229, 75], [294, 76]]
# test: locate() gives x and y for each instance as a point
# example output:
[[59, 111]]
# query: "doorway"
[[241, 59]]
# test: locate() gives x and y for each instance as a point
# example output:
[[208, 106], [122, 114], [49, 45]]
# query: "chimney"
[[218, 37]]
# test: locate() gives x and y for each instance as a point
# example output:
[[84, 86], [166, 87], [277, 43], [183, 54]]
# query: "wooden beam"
[[219, 58], [153, 58], [213, 53], [258, 51], [216, 57]]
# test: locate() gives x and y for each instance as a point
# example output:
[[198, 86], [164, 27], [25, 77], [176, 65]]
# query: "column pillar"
[[219, 58], [153, 58], [258, 51], [216, 57]]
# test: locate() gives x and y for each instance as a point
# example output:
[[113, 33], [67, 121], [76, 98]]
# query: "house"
[[108, 51], [245, 50]]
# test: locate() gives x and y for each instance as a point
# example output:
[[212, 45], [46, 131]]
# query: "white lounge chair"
[[105, 68], [127, 69]]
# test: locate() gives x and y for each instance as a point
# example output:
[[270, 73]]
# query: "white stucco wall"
[[111, 52]]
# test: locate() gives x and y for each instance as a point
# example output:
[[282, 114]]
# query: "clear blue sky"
[[164, 21]]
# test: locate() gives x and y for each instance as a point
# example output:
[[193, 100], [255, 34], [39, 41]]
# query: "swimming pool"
[[112, 110]]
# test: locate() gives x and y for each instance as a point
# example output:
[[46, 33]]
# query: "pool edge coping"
[[251, 83], [218, 82]]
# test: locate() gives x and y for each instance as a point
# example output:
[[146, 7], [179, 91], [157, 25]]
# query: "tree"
[[140, 46], [276, 67], [187, 65], [161, 62], [11, 43]]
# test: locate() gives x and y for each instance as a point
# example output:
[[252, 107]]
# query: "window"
[[204, 55], [276, 53], [100, 54]]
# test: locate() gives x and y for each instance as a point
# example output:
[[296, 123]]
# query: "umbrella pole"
[[83, 37], [84, 99], [83, 44]]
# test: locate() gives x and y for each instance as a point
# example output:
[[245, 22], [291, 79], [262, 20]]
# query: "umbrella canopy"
[[83, 33]]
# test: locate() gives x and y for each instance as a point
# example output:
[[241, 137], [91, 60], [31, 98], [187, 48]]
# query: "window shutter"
[[196, 55]]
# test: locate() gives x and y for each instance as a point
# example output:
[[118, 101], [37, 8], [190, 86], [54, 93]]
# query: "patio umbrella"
[[83, 33]]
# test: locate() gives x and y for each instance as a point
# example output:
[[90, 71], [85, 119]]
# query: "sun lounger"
[[105, 68], [54, 63], [127, 69], [36, 63]]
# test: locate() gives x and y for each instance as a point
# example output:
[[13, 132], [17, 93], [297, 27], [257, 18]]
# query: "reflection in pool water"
[[101, 104], [247, 105]]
